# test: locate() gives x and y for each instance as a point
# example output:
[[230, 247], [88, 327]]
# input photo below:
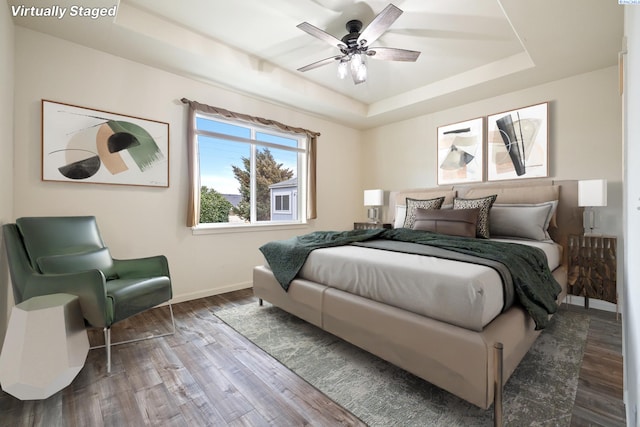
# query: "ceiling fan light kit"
[[343, 68], [355, 46], [356, 65]]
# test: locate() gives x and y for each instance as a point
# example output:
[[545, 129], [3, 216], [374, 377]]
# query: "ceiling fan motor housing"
[[351, 40]]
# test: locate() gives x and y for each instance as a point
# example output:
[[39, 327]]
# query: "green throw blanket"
[[535, 287]]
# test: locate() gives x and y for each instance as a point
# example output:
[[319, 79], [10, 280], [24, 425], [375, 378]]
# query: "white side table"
[[45, 347]]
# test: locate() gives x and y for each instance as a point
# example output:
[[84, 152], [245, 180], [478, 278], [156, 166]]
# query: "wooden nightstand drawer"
[[592, 267], [370, 225]]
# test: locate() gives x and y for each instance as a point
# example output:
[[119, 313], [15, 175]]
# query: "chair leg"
[[173, 320], [107, 346]]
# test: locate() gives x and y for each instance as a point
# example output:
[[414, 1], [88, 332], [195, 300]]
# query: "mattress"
[[462, 294]]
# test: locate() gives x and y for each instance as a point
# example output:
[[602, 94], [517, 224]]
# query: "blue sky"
[[217, 155]]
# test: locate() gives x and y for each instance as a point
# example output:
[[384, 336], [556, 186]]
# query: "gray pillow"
[[484, 204], [413, 204], [524, 221]]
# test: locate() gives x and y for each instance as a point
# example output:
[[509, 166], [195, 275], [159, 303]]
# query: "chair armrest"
[[88, 286], [139, 268]]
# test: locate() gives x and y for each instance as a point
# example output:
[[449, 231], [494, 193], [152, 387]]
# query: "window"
[[283, 200], [282, 203], [249, 174]]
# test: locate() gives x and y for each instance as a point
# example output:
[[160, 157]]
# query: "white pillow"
[[401, 213]]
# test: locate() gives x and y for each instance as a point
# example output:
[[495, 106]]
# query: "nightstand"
[[592, 268], [370, 225]]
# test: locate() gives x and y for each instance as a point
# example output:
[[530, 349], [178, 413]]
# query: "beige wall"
[[6, 154], [584, 137], [631, 322], [139, 221]]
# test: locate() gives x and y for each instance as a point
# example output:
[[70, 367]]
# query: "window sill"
[[244, 228]]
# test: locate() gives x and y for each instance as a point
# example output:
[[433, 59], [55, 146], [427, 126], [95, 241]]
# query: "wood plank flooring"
[[208, 375], [600, 385]]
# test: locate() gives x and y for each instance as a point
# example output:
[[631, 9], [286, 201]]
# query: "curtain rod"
[[258, 120]]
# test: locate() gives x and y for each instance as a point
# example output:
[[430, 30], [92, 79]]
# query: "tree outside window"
[[268, 172]]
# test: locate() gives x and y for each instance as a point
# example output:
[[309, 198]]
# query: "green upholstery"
[[67, 255], [99, 259]]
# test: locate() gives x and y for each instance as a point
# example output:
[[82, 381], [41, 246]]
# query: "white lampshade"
[[592, 192], [373, 197]]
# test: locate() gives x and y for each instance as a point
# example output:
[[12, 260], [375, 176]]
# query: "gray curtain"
[[312, 140]]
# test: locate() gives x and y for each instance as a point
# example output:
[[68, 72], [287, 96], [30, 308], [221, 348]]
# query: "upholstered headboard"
[[567, 218]]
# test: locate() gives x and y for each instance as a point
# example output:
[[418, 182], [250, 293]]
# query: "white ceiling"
[[471, 49]]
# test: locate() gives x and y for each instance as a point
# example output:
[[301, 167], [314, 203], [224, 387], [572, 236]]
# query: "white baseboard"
[[210, 292]]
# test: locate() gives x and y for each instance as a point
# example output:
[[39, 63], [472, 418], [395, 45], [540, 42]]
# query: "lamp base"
[[589, 221], [372, 214]]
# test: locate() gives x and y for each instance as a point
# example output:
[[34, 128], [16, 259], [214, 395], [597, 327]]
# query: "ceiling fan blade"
[[393, 54], [379, 25], [320, 63], [322, 35]]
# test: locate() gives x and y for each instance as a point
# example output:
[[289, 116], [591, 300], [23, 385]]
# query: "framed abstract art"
[[94, 146], [517, 144], [460, 152]]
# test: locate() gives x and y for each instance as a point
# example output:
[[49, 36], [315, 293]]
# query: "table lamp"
[[373, 199], [591, 193]]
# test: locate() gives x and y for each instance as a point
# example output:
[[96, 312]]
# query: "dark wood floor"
[[600, 390], [207, 374]]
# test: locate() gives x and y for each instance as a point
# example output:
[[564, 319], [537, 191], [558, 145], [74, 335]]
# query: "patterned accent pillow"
[[413, 204], [484, 204]]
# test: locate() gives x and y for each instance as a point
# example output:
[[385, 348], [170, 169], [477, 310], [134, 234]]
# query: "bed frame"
[[472, 365]]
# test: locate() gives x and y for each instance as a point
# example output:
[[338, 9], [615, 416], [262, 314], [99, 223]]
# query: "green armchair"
[[50, 255]]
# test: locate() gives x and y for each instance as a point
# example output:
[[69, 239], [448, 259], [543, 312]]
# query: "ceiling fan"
[[355, 47]]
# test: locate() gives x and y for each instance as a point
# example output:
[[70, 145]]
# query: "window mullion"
[[252, 179]]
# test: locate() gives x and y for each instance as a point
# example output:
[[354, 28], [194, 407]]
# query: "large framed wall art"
[[517, 143], [94, 146], [460, 152]]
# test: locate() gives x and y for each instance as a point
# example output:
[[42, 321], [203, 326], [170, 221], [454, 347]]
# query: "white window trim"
[[203, 229]]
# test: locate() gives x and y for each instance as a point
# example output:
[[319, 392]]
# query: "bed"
[[468, 349]]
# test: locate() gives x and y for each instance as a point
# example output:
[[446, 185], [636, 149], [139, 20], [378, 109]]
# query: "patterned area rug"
[[540, 392]]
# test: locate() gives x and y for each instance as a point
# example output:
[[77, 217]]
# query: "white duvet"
[[463, 294]]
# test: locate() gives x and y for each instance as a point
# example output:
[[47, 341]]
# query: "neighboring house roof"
[[293, 182], [234, 199]]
